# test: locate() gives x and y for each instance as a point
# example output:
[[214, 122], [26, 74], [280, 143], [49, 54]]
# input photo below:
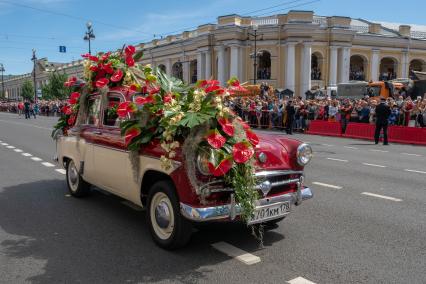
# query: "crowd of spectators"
[[266, 111], [42, 107]]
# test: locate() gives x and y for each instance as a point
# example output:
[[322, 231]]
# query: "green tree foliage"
[[27, 90], [55, 88]]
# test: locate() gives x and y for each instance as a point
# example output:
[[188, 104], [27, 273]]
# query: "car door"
[[110, 154]]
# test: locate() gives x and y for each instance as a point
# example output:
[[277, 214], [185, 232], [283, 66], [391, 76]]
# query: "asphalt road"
[[366, 223]]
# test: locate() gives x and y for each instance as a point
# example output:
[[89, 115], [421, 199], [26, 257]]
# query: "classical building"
[[13, 84], [296, 51]]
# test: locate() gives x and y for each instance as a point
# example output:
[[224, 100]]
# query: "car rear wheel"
[[77, 186], [169, 229]]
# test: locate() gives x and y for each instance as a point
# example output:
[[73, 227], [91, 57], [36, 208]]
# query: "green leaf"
[[138, 55], [192, 119]]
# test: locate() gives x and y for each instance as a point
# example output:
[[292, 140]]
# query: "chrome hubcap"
[[162, 215], [72, 176]]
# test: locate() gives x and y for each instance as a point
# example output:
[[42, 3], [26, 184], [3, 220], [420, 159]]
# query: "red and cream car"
[[94, 153]]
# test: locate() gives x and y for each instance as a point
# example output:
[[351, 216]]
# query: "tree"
[[55, 89], [27, 90]]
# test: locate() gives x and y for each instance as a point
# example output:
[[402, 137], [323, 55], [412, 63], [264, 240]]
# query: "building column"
[[221, 67], [404, 65], [374, 66], [290, 66], [200, 65], [208, 66], [332, 80], [344, 64], [235, 62], [185, 71], [168, 67], [306, 69]]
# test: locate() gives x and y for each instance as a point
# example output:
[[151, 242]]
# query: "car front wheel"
[[77, 186], [169, 229]]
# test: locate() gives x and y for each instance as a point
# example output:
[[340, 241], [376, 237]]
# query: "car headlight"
[[304, 154], [203, 159]]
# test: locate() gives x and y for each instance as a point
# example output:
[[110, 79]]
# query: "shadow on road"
[[98, 239]]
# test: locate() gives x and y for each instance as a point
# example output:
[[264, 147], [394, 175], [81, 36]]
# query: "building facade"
[[43, 69], [295, 51]]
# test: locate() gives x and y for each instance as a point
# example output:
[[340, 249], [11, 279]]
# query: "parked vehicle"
[[94, 153]]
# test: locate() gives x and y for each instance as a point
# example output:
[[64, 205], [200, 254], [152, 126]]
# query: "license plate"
[[269, 212]]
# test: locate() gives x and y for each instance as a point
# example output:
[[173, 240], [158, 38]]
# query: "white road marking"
[[300, 280], [18, 150], [61, 171], [327, 185], [4, 144], [349, 147], [27, 155], [383, 151], [10, 147], [408, 154], [414, 171], [374, 165], [36, 159], [236, 253], [131, 205], [329, 145], [47, 164], [382, 196], [338, 160]]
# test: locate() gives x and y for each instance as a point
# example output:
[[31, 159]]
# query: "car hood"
[[281, 152]]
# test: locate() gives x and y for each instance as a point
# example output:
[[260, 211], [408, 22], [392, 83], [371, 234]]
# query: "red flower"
[[85, 55], [74, 98], [102, 83], [167, 99], [252, 137], [223, 167], [129, 50], [153, 90], [66, 110], [93, 58], [117, 76], [107, 68], [210, 89], [112, 104], [94, 68], [227, 126], [71, 81], [71, 120], [144, 100], [133, 88], [243, 123], [130, 61], [242, 152], [125, 108], [206, 83], [105, 56], [234, 89], [131, 134], [215, 139]]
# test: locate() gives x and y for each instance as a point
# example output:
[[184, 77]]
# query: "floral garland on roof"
[[174, 109]]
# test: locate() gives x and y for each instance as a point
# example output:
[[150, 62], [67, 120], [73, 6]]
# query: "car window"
[[110, 112], [94, 108]]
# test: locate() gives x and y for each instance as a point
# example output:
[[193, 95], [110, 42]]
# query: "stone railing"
[[262, 21], [360, 29], [322, 21], [418, 34]]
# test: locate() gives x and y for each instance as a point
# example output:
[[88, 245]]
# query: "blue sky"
[[132, 21]]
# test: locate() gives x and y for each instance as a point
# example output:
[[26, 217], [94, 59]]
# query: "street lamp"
[[255, 35], [2, 79], [34, 59], [89, 34]]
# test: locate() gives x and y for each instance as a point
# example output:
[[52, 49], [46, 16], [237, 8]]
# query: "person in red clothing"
[[407, 108], [20, 108]]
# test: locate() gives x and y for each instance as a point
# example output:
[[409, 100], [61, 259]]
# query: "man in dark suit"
[[291, 111], [382, 115]]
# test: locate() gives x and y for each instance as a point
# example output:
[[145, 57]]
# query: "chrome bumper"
[[230, 211]]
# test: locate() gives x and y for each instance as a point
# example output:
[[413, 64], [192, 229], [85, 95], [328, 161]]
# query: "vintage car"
[[94, 153]]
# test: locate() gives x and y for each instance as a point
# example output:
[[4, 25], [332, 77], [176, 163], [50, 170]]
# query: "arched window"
[[316, 66], [177, 70], [163, 68], [193, 71], [417, 65], [357, 68], [264, 68], [387, 69]]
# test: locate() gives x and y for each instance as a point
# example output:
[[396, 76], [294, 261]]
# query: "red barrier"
[[320, 127], [360, 131], [409, 135]]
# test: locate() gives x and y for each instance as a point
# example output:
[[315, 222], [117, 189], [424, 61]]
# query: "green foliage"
[[55, 89], [27, 90]]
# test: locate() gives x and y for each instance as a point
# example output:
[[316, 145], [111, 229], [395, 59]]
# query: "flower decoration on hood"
[[126, 108], [227, 126], [130, 134], [215, 139], [74, 98], [102, 83], [224, 166], [71, 81], [117, 76], [140, 100], [242, 152], [252, 137]]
